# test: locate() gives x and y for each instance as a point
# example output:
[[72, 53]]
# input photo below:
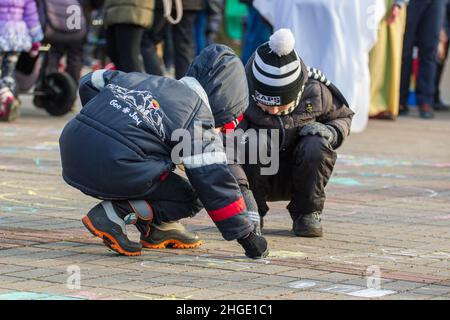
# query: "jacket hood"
[[222, 75]]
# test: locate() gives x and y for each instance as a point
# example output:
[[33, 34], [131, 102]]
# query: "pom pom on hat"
[[282, 42], [278, 73]]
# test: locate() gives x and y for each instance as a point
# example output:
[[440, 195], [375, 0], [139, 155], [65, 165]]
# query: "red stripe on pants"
[[229, 211]]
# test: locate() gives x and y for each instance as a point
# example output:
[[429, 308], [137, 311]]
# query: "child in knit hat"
[[312, 118], [20, 30]]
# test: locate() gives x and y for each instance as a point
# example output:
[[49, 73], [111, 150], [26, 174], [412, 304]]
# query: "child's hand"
[[319, 129], [35, 49], [255, 246]]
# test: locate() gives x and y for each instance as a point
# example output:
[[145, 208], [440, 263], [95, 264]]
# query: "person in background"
[[442, 58], [20, 30], [71, 48], [208, 23], [182, 35], [257, 31], [424, 22], [125, 22], [385, 63], [92, 10]]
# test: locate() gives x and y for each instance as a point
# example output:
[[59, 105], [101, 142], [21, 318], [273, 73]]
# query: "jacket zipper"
[[283, 134]]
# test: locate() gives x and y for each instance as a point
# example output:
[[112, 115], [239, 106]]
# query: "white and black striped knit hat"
[[279, 75]]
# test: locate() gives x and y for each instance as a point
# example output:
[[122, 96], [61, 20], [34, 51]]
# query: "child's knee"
[[314, 150]]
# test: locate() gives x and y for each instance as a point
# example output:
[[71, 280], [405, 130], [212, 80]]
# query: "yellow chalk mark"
[[5, 197], [18, 186], [33, 191], [286, 254]]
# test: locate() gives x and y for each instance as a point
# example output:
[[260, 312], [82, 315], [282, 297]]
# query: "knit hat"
[[278, 73]]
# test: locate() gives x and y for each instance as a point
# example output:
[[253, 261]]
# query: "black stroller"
[[55, 92]]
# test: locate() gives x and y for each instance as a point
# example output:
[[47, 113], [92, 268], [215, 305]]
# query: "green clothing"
[[138, 12]]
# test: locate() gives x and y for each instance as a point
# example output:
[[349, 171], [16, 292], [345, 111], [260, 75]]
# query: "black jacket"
[[320, 102], [121, 142]]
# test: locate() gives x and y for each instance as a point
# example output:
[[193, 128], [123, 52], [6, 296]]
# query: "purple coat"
[[19, 25]]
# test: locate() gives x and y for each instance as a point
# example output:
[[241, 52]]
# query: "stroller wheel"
[[58, 94]]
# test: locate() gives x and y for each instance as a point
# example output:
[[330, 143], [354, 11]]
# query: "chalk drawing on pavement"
[[356, 161], [356, 291], [24, 295], [234, 263], [350, 182], [286, 254], [390, 254], [16, 192], [302, 284], [371, 293]]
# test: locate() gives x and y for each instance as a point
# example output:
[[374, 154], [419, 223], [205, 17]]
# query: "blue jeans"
[[258, 32], [201, 24], [425, 18]]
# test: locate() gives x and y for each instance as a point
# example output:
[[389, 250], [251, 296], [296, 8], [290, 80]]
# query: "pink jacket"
[[19, 25]]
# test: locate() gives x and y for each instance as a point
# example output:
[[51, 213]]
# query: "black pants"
[[123, 44], [172, 200], [183, 43], [303, 174], [74, 54], [425, 19]]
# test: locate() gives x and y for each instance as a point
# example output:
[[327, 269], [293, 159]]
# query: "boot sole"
[[309, 234], [108, 240], [172, 243]]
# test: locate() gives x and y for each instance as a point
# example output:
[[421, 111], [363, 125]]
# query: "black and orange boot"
[[107, 223], [170, 235]]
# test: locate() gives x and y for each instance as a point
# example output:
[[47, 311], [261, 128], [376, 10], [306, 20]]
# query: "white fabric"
[[276, 82], [204, 159], [336, 37], [97, 79], [275, 70]]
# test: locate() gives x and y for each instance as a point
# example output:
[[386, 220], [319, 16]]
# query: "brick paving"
[[388, 210]]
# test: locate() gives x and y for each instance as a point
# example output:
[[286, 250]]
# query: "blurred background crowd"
[[385, 55]]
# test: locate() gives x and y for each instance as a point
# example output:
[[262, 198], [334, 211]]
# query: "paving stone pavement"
[[386, 225]]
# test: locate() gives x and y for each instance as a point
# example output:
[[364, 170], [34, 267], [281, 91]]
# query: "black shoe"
[[103, 222], [308, 225], [403, 110], [170, 234], [440, 106], [426, 111]]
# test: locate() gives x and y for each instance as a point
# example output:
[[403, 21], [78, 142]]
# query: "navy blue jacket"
[[122, 141]]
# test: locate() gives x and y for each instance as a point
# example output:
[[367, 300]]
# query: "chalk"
[[345, 182], [286, 254], [371, 293], [23, 295], [302, 284], [340, 288]]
